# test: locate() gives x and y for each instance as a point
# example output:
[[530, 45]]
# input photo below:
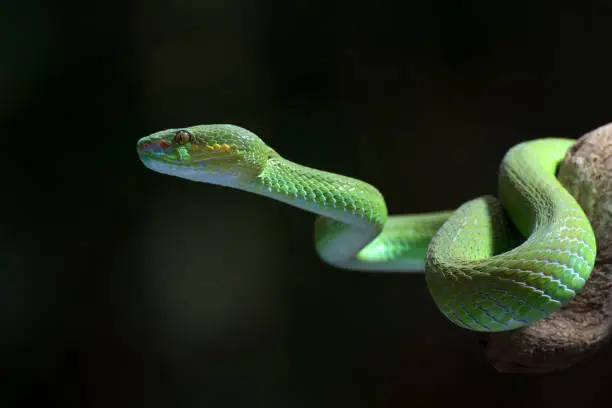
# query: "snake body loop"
[[485, 272]]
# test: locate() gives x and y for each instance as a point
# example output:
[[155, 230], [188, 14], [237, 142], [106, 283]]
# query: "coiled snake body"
[[484, 271]]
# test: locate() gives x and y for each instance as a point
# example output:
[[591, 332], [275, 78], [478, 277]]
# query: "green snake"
[[490, 265]]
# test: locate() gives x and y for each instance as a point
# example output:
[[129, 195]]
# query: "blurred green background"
[[126, 288]]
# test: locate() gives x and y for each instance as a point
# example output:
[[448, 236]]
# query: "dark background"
[[125, 288]]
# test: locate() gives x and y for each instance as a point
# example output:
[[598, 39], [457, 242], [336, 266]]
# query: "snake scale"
[[490, 265]]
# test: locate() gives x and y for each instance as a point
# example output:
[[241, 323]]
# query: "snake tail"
[[477, 275]]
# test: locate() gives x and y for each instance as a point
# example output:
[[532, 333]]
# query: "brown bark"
[[582, 326]]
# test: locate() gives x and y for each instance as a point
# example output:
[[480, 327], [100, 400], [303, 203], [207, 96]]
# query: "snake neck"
[[333, 196], [352, 212]]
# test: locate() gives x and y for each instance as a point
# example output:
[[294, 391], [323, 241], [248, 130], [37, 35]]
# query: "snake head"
[[218, 154]]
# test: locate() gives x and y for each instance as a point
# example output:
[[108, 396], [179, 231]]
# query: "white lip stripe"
[[191, 173]]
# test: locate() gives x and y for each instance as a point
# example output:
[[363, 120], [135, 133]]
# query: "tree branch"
[[582, 326]]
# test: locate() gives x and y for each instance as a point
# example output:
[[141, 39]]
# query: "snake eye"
[[181, 137]]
